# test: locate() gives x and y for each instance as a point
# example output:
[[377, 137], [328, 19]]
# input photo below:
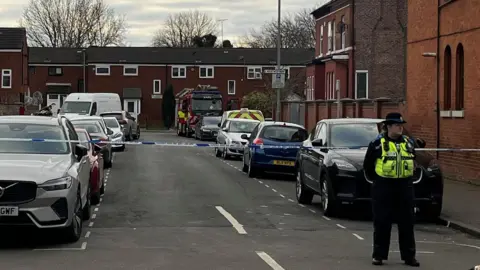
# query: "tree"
[[257, 100], [207, 41], [296, 30], [227, 44], [180, 29], [168, 107], [72, 23]]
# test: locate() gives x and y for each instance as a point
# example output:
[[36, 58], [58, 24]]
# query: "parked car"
[[48, 182], [231, 137], [97, 176], [285, 140], [128, 123], [99, 119], [96, 132], [337, 175], [118, 136], [90, 103], [207, 127]]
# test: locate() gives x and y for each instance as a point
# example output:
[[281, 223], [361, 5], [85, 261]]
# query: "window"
[[31, 131], [353, 135], [6, 78], [206, 72], [284, 133], [330, 44], [447, 79], [254, 73], [157, 87], [321, 132], [55, 71], [102, 70], [179, 72], [334, 30], [130, 70], [321, 40], [342, 36], [231, 87], [460, 79], [330, 86], [361, 86]]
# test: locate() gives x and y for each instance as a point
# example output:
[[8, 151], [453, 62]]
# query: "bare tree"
[[180, 29], [72, 23], [296, 30]]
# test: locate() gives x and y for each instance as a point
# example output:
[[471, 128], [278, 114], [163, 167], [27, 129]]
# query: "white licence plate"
[[11, 211]]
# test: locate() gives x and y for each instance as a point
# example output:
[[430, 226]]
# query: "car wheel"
[[217, 152], [224, 154], [138, 132], [87, 209], [303, 193], [130, 135], [432, 211], [252, 171], [329, 205], [74, 231], [245, 166]]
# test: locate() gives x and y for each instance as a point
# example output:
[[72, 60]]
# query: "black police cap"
[[394, 117]]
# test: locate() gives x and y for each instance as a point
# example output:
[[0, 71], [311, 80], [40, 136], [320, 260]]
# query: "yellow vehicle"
[[243, 113]]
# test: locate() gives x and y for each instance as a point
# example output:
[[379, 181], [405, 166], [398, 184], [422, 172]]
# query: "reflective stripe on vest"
[[396, 162]]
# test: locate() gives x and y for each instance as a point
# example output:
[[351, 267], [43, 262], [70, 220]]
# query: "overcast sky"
[[146, 16]]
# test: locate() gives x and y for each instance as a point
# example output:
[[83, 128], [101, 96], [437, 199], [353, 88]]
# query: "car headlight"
[[344, 165], [57, 184], [117, 135], [205, 129]]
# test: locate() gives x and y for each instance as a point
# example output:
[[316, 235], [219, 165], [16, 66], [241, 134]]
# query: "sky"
[[145, 17]]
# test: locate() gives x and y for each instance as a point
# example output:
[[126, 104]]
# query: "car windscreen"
[[89, 126], [211, 121], [111, 123], [33, 131], [119, 116], [284, 133], [353, 135], [80, 107], [242, 126], [84, 139], [206, 105]]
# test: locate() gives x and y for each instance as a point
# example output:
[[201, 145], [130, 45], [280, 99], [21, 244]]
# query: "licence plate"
[[9, 211], [283, 163]]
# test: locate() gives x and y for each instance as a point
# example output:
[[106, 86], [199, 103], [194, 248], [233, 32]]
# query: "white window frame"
[[334, 29], [102, 66], [321, 40], [6, 73], [343, 33], [356, 83], [159, 92], [257, 72], [329, 46], [206, 68], [180, 68], [130, 74], [234, 87]]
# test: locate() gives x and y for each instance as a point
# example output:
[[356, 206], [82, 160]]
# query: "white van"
[[91, 103]]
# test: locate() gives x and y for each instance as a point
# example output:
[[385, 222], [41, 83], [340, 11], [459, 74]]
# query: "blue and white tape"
[[169, 144]]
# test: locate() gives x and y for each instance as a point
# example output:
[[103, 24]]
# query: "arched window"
[[460, 78], [447, 79]]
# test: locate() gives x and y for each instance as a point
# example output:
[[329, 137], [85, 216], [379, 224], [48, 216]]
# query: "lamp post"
[[277, 111], [221, 23], [84, 60]]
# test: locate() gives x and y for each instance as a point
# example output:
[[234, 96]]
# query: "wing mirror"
[[245, 137], [420, 142], [97, 148], [109, 131], [225, 129], [80, 151], [218, 125], [318, 142]]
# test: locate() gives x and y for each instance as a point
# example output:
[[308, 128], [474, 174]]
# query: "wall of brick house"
[[344, 9], [380, 31], [10, 97], [39, 78]]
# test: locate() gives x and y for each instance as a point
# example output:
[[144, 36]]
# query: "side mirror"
[[421, 143], [80, 151], [245, 137], [219, 125], [318, 142], [97, 148], [225, 129], [109, 131]]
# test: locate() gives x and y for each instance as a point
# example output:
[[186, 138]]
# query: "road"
[[182, 208]]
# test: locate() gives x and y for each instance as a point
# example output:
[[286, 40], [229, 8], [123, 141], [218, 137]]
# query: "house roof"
[[12, 38], [170, 56], [329, 6]]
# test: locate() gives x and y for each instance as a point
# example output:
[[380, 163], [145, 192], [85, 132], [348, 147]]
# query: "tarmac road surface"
[[182, 208]]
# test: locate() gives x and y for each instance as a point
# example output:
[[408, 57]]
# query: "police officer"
[[389, 163]]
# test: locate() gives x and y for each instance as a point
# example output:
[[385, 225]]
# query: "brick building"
[[361, 43], [443, 80], [141, 74], [13, 68]]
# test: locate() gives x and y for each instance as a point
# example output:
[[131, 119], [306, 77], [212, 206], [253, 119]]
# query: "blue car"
[[259, 156]]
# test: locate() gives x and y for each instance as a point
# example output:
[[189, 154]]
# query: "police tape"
[[234, 145]]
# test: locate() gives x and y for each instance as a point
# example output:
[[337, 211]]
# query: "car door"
[[222, 135], [83, 171], [247, 151], [314, 158]]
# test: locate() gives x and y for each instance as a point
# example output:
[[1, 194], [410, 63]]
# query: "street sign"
[[278, 80], [275, 71]]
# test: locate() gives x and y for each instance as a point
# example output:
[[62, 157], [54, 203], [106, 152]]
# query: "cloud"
[[144, 17]]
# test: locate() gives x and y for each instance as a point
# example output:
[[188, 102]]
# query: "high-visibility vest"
[[397, 160], [181, 115]]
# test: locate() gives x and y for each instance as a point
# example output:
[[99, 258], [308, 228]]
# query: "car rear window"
[[119, 116], [284, 134], [83, 137], [90, 127]]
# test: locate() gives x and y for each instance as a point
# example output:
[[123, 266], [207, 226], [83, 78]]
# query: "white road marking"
[[87, 234], [91, 224], [96, 209], [311, 210], [358, 236], [261, 182], [418, 252], [232, 220], [101, 199], [290, 200], [340, 226], [274, 190], [267, 185], [286, 214], [94, 216], [83, 247], [301, 205], [271, 262], [325, 217]]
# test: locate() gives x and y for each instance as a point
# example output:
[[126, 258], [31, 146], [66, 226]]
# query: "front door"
[[57, 100], [133, 106]]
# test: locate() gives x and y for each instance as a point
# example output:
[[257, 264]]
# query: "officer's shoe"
[[412, 262], [377, 261]]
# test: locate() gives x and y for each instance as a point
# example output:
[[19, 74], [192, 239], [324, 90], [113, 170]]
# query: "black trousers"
[[393, 202]]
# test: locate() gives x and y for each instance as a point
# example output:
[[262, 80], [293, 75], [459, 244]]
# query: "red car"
[[97, 177]]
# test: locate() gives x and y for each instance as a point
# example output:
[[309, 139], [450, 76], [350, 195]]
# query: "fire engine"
[[195, 102]]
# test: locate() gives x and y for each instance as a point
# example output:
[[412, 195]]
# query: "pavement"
[[182, 208]]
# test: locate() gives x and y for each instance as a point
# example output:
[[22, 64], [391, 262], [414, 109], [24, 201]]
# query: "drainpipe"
[[438, 80], [354, 73]]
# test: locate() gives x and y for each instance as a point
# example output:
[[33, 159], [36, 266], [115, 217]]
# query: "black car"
[[207, 127], [337, 175]]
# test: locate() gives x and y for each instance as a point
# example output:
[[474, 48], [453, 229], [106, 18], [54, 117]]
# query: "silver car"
[[43, 184], [118, 135], [230, 137]]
